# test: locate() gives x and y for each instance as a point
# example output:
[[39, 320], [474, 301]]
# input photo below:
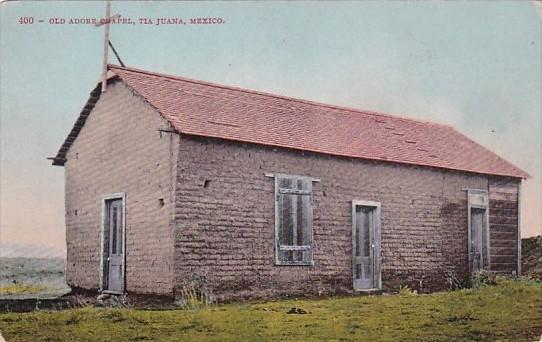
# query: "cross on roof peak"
[[107, 43]]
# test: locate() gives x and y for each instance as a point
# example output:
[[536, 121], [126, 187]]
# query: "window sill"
[[294, 263]]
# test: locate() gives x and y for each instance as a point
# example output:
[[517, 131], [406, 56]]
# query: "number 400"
[[26, 20]]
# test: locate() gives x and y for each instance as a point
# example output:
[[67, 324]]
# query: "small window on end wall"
[[293, 220]]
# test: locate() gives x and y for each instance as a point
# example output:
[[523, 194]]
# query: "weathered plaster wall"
[[120, 149], [225, 230]]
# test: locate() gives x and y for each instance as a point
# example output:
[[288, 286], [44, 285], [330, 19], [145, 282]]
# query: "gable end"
[[60, 157]]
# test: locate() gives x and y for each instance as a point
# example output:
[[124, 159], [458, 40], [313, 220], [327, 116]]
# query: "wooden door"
[[115, 246], [366, 246], [478, 232], [478, 246]]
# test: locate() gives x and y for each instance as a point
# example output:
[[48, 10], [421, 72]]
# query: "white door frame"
[[478, 198], [114, 196], [377, 272]]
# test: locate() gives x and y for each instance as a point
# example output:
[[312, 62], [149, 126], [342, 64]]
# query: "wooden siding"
[[503, 225]]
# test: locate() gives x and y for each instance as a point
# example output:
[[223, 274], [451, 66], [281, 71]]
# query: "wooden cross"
[[107, 43]]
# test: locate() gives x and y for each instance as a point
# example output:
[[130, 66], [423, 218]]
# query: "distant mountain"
[[26, 250]]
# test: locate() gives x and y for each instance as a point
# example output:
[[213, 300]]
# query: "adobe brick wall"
[[225, 231], [120, 150]]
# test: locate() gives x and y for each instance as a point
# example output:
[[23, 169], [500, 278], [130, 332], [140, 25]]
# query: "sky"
[[473, 65]]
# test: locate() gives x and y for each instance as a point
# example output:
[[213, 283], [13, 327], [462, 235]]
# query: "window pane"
[[366, 222], [107, 232], [359, 224], [114, 230], [119, 227]]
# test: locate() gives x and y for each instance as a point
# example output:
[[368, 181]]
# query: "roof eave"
[[520, 175], [60, 157]]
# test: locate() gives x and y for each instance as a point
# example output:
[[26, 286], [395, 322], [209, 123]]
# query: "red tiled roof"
[[211, 110]]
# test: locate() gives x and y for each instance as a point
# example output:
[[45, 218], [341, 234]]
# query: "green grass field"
[[510, 311], [16, 289]]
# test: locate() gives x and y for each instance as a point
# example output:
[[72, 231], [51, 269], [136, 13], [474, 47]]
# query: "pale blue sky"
[[474, 65]]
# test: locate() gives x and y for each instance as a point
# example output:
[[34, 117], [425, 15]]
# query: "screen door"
[[114, 246], [366, 245]]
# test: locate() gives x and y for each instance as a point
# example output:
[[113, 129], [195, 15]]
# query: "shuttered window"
[[293, 213]]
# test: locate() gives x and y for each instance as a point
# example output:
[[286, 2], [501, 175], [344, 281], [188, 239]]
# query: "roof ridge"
[[262, 93]]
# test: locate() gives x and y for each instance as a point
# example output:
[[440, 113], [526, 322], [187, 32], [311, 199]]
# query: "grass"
[[21, 289], [512, 310]]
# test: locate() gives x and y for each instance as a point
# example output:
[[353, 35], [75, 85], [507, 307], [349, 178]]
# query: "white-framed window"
[[293, 220]]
